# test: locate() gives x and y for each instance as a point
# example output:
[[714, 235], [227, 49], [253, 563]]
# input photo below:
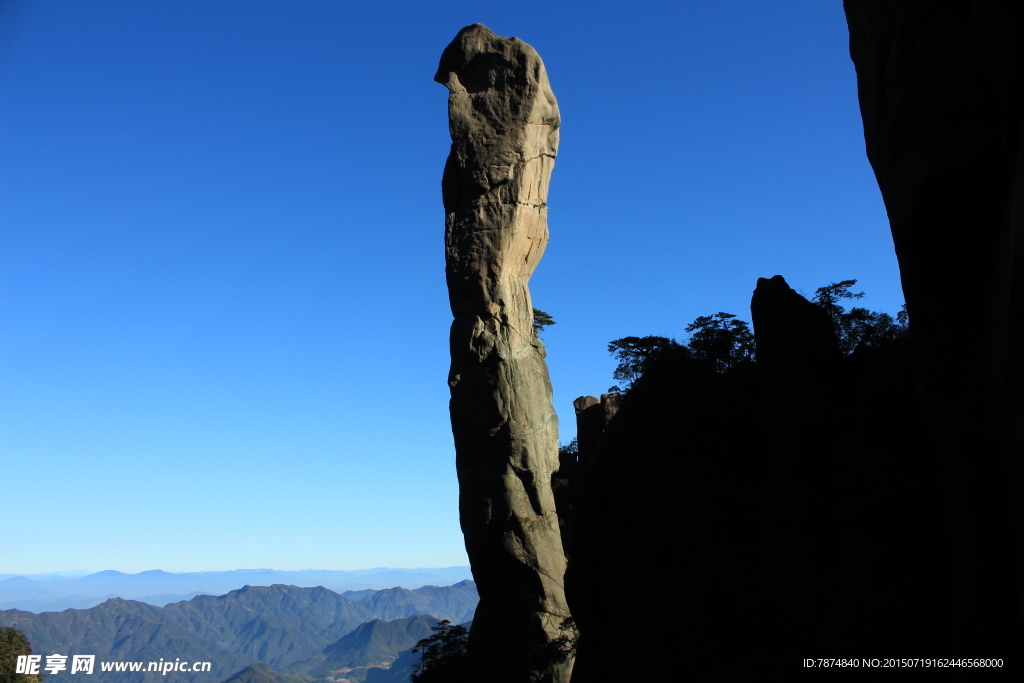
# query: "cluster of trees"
[[721, 340], [859, 326], [724, 342]]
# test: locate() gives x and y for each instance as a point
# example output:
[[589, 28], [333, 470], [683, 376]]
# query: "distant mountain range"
[[302, 634], [53, 592]]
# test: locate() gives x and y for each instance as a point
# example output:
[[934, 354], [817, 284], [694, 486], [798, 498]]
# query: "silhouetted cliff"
[[940, 94], [791, 509], [829, 505]]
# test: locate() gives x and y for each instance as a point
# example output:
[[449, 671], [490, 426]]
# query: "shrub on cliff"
[[443, 655], [13, 643]]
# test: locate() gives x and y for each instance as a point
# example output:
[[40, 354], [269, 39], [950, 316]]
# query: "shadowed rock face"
[[794, 337], [940, 94], [503, 120], [593, 415], [790, 506]]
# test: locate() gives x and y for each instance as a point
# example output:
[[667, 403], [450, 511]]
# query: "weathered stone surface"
[[940, 94], [503, 120], [609, 407], [589, 425], [593, 415]]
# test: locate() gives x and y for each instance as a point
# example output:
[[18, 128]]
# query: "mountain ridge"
[[279, 625], [48, 592]]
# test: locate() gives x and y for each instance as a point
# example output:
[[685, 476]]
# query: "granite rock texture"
[[504, 121], [940, 93]]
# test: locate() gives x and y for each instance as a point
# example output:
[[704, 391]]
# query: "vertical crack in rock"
[[503, 120]]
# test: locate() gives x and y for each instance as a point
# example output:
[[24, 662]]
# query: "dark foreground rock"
[[940, 94], [780, 517]]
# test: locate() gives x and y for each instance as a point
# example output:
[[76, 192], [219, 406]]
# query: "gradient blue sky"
[[222, 308]]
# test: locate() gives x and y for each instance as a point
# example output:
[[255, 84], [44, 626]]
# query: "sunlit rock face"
[[503, 120], [940, 94]]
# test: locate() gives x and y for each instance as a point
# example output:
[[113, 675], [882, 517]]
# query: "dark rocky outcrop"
[[589, 424], [868, 503], [794, 338], [940, 94], [780, 510], [504, 123], [593, 415]]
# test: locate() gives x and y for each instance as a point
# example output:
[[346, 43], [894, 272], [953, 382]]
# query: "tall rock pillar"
[[503, 120]]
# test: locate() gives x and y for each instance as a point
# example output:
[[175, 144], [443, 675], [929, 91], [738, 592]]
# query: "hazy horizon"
[[85, 572]]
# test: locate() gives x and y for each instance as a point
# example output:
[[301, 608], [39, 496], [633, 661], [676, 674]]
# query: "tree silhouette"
[[541, 320], [443, 655], [721, 340], [828, 298], [637, 354], [858, 326]]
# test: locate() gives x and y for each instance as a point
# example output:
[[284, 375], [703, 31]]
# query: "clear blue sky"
[[223, 318]]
